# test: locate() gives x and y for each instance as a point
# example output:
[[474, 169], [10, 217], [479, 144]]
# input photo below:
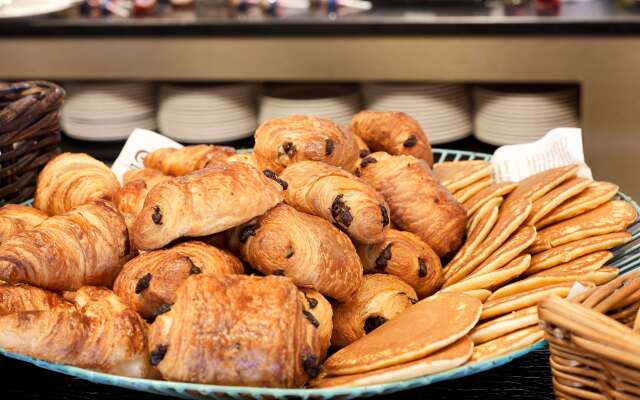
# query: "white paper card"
[[559, 147], [140, 143]]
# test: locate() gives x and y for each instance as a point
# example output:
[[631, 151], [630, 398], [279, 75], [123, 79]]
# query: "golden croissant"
[[339, 197], [73, 179], [284, 141], [130, 198], [205, 202], [99, 332], [418, 202], [185, 160], [16, 218], [249, 158], [237, 330], [145, 174], [318, 306], [305, 248], [20, 297], [85, 246], [149, 282]]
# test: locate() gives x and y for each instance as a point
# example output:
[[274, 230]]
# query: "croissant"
[[205, 202], [316, 304], [183, 161], [141, 173], [363, 149], [393, 132], [418, 202], [380, 298], [16, 218], [18, 298], [284, 141], [73, 179], [305, 248], [404, 255], [249, 158], [85, 246], [130, 198], [98, 333], [237, 330], [339, 197], [149, 282]]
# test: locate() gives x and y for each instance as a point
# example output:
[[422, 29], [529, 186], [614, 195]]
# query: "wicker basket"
[[29, 135], [594, 342]]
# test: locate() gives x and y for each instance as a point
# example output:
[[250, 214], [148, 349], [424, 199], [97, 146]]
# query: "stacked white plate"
[[207, 113], [520, 114], [335, 102], [107, 111], [442, 109]]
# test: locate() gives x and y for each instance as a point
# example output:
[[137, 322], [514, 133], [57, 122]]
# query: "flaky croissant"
[[15, 218], [316, 304], [305, 248], [339, 197], [85, 246], [237, 330], [145, 174], [130, 198], [73, 179], [418, 203], [149, 282], [393, 132], [183, 161], [20, 297], [380, 298], [284, 141], [98, 333], [249, 158], [363, 149], [404, 255], [205, 202]]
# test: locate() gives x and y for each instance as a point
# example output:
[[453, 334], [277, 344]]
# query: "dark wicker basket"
[[29, 135]]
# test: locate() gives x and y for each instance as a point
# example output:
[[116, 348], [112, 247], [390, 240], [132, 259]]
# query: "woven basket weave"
[[594, 342], [29, 135]]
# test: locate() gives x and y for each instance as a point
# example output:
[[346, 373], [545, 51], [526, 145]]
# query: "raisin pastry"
[[20, 297], [393, 132], [73, 179], [285, 141], [305, 248], [339, 197], [145, 174], [237, 330], [130, 198], [149, 282], [363, 149], [404, 255], [205, 202], [249, 158], [318, 306], [15, 218], [380, 298], [418, 202], [185, 160]]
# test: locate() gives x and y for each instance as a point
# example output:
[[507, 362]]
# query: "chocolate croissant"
[[205, 202], [339, 197], [305, 248], [393, 132], [318, 306], [418, 202], [363, 149], [404, 255], [237, 330], [380, 298], [149, 282], [19, 298], [249, 158], [146, 174], [130, 198], [185, 160], [15, 218], [73, 179], [99, 332], [85, 246], [284, 141]]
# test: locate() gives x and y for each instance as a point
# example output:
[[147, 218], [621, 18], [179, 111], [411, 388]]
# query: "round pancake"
[[492, 279], [480, 294], [536, 186], [547, 203], [506, 344], [434, 323], [479, 199], [501, 326], [517, 243], [448, 358], [594, 195], [467, 192], [455, 175], [482, 212]]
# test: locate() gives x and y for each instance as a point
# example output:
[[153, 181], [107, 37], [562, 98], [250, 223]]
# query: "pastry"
[[418, 202], [456, 175], [504, 325], [392, 132], [318, 306], [85, 246], [284, 141], [16, 218], [547, 203], [339, 197], [141, 173], [183, 161], [19, 297], [363, 149], [305, 248], [507, 344], [249, 158], [379, 299], [130, 198], [73, 179], [205, 202], [492, 191]]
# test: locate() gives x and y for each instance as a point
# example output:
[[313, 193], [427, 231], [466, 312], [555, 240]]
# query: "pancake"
[[571, 251], [455, 175], [492, 279], [467, 192], [482, 211], [614, 216], [507, 344], [495, 190], [501, 326], [434, 323], [594, 195], [550, 201], [448, 358], [517, 243], [480, 294]]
